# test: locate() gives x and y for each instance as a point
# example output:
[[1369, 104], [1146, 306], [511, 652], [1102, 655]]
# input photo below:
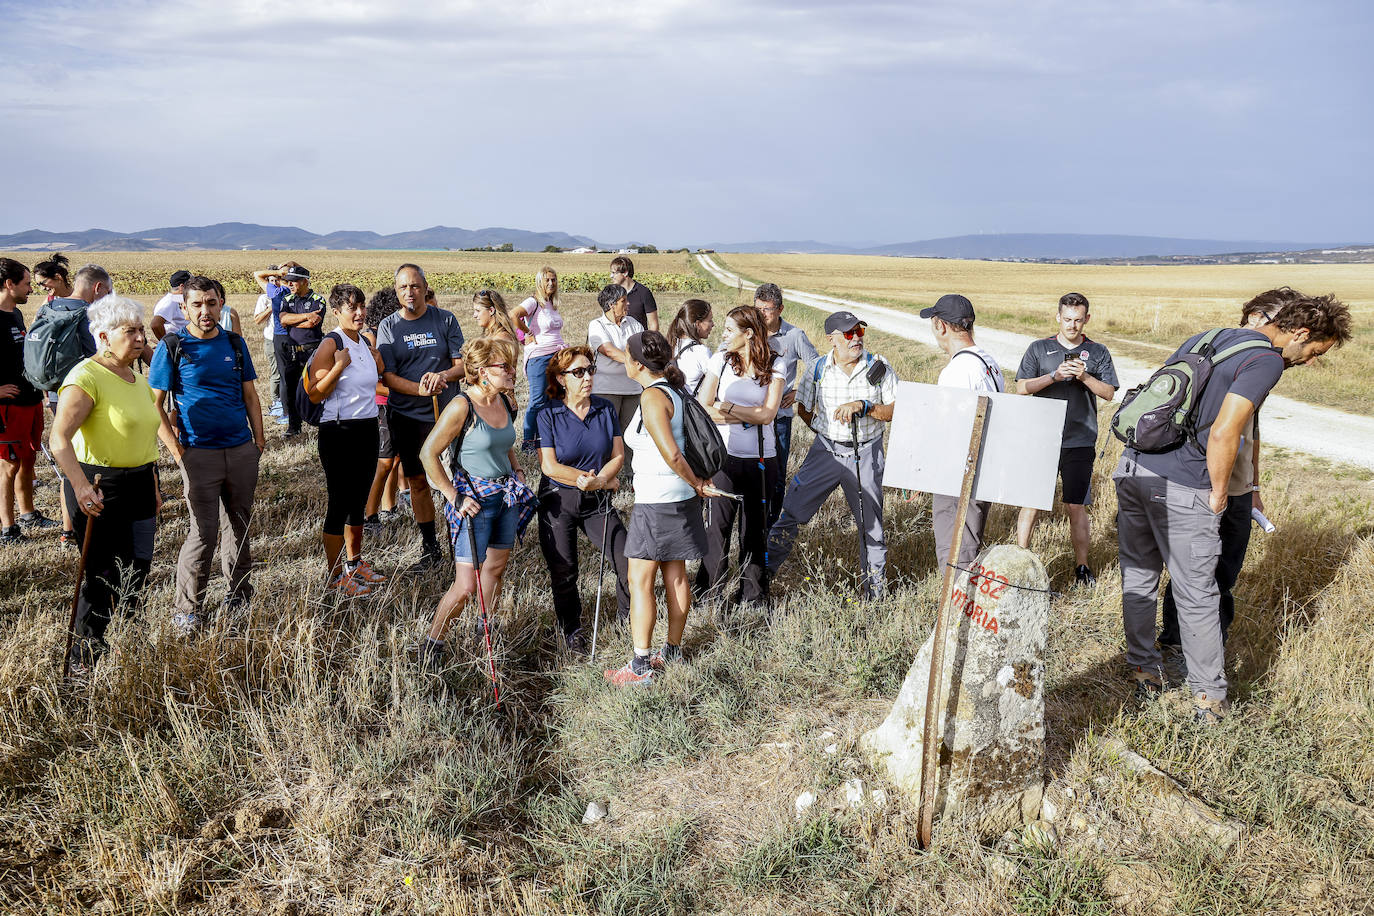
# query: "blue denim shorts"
[[494, 526]]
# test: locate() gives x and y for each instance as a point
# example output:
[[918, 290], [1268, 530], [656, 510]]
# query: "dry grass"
[[293, 760], [1139, 311]]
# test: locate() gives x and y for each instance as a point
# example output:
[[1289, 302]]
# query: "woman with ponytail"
[[53, 275], [687, 336]]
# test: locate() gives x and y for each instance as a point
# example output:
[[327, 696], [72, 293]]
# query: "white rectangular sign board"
[[928, 446]]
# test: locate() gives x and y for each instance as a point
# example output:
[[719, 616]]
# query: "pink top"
[[546, 329]]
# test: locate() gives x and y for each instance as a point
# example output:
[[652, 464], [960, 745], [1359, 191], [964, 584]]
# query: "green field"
[[294, 761]]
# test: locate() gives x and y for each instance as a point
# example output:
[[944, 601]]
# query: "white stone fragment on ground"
[[804, 802], [879, 797], [827, 735], [595, 812], [832, 749], [853, 791], [992, 706], [1048, 809]]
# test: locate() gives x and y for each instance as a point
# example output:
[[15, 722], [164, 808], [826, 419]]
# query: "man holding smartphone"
[[1078, 371]]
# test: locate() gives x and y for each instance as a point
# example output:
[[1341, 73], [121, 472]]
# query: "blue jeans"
[[535, 370], [782, 432], [494, 526]]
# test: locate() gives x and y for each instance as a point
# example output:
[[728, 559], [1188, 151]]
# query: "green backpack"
[[1161, 414]]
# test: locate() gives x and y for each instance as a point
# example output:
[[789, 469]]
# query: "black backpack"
[[172, 342], [1161, 414], [701, 444], [307, 409]]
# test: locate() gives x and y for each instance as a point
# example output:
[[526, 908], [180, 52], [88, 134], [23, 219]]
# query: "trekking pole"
[[600, 575], [859, 485], [80, 574], [482, 606], [763, 498]]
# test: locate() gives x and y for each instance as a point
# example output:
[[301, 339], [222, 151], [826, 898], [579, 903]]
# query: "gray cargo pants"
[[944, 510], [829, 465], [1160, 523], [219, 484]]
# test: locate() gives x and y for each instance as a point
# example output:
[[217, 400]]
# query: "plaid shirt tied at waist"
[[514, 493]]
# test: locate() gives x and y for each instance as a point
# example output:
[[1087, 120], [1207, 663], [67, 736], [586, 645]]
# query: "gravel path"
[[1286, 423]]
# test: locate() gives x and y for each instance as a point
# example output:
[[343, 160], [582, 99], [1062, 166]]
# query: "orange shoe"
[[368, 574], [351, 585]]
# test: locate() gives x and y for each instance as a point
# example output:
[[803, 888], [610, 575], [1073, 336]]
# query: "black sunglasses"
[[581, 371]]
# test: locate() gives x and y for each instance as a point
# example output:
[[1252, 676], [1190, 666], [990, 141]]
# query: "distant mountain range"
[[1002, 246], [228, 236]]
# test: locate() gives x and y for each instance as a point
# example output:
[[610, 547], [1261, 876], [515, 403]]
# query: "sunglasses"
[[854, 332], [581, 372]]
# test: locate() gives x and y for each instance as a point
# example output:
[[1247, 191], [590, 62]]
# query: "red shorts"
[[21, 431]]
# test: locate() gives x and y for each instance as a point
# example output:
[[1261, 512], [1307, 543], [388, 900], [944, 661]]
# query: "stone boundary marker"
[[992, 703]]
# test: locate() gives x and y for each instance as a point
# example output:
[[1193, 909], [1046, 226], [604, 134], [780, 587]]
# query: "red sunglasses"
[[854, 332]]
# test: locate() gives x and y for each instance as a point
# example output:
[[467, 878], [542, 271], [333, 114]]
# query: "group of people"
[[398, 392]]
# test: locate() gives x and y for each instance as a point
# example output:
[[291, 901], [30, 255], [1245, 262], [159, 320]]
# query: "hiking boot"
[[1083, 577], [1209, 712], [350, 585], [1149, 685], [430, 654], [11, 535], [1175, 666], [188, 625], [575, 642], [37, 521], [668, 655], [68, 539], [430, 560], [369, 575], [628, 677], [372, 525]]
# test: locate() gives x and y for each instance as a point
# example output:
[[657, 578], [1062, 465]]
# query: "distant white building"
[[628, 251], [583, 250]]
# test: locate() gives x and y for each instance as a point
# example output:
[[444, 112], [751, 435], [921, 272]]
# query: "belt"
[[849, 443]]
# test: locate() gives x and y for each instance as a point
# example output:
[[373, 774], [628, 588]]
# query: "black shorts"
[[385, 449], [1076, 471], [407, 436]]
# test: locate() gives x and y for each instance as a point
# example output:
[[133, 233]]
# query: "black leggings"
[[742, 476], [121, 551], [348, 454]]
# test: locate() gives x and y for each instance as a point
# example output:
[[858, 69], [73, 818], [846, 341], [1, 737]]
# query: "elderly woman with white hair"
[[107, 427]]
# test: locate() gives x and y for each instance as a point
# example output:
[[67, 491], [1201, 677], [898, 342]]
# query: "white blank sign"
[[928, 446]]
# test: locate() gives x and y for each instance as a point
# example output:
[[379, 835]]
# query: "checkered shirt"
[[835, 388]]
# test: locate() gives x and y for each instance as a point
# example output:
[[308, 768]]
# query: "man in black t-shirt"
[[1077, 371], [1170, 504], [642, 308], [21, 410]]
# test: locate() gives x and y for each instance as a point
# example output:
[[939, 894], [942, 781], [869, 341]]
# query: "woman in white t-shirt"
[[606, 337], [742, 391], [540, 320], [687, 335]]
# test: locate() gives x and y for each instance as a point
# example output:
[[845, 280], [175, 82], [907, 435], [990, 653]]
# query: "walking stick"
[[763, 499], [482, 605], [859, 485], [80, 575], [600, 576], [931, 739], [448, 526]]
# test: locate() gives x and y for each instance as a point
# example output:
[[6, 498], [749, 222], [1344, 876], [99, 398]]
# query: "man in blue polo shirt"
[[301, 313], [217, 421]]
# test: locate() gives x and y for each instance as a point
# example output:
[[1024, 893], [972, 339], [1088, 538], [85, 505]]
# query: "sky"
[[673, 122]]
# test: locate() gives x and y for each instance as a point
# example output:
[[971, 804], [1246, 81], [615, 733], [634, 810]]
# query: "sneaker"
[[68, 539], [277, 410], [11, 535], [1083, 576], [37, 521], [575, 642], [668, 655], [350, 584], [368, 574], [282, 420], [1209, 712], [626, 677], [1149, 685], [187, 625], [431, 654], [372, 525], [387, 515], [429, 561]]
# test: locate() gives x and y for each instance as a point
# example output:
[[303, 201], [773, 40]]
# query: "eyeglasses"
[[504, 367], [854, 332], [581, 372]]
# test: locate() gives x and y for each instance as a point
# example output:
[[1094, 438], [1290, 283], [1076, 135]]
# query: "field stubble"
[[294, 761]]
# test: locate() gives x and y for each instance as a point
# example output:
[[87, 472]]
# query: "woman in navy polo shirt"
[[580, 453]]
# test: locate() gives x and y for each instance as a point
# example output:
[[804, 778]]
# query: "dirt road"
[[1320, 431]]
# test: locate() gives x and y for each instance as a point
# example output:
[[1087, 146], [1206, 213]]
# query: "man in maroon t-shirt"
[[1169, 504]]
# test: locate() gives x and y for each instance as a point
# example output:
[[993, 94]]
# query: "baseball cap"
[[178, 278], [842, 321], [950, 307], [296, 273]]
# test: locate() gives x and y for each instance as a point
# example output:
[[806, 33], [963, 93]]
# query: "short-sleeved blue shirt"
[[275, 292], [209, 400], [582, 444]]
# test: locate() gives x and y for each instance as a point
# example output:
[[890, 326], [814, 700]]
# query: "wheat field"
[[294, 761]]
